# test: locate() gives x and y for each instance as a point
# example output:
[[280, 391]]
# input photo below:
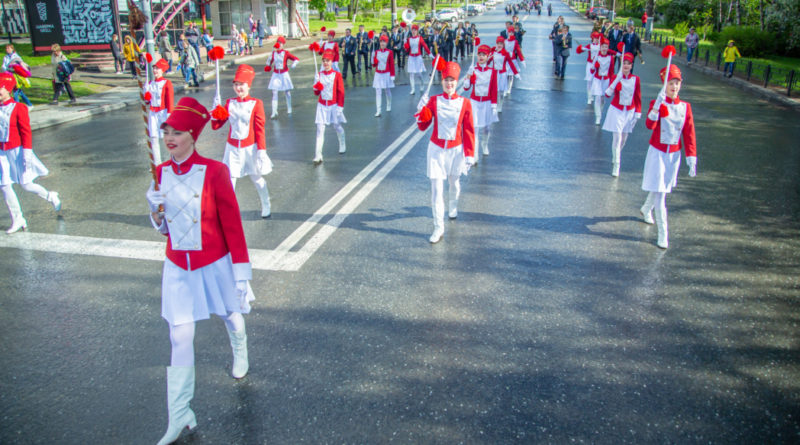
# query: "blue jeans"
[[689, 54], [189, 72], [19, 93], [729, 67]]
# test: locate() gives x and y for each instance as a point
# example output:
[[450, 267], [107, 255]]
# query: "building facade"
[[274, 14]]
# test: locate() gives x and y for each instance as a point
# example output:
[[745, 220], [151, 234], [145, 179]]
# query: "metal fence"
[[766, 75]]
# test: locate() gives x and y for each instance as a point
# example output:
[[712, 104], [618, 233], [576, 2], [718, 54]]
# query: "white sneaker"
[[436, 236]]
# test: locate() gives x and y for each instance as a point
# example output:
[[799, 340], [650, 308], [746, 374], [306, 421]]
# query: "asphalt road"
[[546, 315]]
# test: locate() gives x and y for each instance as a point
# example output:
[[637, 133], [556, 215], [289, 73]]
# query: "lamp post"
[[3, 4]]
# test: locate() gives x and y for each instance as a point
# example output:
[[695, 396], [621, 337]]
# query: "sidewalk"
[[125, 90]]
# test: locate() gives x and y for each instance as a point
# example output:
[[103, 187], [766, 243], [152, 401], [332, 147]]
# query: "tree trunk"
[[738, 13], [433, 6], [292, 5], [761, 13], [650, 8]]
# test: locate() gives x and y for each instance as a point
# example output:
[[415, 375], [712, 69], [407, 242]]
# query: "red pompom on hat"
[[245, 73], [604, 41], [596, 35], [162, 64], [628, 57], [500, 39], [510, 29], [674, 73], [323, 29], [8, 82], [451, 69], [385, 38], [371, 35], [328, 54], [188, 115], [484, 49]]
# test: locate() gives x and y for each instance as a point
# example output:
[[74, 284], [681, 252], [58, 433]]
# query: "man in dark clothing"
[[348, 45], [193, 37], [397, 40], [363, 46], [632, 43]]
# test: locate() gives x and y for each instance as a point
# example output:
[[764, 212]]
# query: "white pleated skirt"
[[589, 76], [12, 169], [415, 65], [154, 121], [241, 161], [329, 114], [382, 80], [619, 121], [280, 82], [191, 295], [445, 162], [660, 170], [482, 114]]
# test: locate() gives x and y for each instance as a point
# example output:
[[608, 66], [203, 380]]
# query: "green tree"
[[783, 18]]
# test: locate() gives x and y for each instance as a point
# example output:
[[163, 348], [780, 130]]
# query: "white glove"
[[523, 64], [422, 102], [517, 76], [155, 198], [637, 116], [261, 160], [294, 64], [392, 78], [609, 92], [470, 161], [27, 159], [241, 292], [340, 110], [662, 97], [494, 110], [692, 162]]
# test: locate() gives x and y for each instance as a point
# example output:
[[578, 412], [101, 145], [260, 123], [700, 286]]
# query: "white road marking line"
[[296, 261], [84, 245]]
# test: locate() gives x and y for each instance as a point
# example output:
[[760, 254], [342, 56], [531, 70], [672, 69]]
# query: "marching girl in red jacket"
[[18, 163], [330, 105], [625, 109], [160, 98], [602, 71], [502, 63], [414, 46], [278, 63], [331, 45], [451, 150], [246, 148], [672, 123], [383, 62], [515, 52], [483, 81], [207, 268], [592, 50]]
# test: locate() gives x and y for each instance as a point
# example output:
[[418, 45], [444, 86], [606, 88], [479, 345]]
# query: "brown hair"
[[10, 46], [55, 47]]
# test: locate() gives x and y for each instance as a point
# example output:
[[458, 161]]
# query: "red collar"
[[246, 98], [676, 101], [454, 96], [329, 72], [11, 99]]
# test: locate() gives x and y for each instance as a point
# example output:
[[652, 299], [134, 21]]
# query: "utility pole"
[[5, 21], [149, 40], [394, 13]]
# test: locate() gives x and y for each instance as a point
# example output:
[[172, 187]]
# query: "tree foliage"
[[783, 18]]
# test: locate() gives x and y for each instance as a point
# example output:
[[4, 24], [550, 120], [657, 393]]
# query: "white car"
[[490, 3], [447, 15]]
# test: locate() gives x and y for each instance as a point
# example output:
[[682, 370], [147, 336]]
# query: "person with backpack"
[[62, 72], [130, 50]]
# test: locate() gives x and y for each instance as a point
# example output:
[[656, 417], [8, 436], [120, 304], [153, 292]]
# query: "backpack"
[[64, 70]]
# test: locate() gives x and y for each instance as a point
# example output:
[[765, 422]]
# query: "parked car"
[[490, 4], [597, 12], [475, 9], [447, 15]]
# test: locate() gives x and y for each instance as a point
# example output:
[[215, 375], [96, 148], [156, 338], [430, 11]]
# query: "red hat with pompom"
[[674, 73], [328, 54], [162, 64], [484, 49], [8, 82], [628, 57], [451, 69], [500, 39], [245, 73], [188, 115]]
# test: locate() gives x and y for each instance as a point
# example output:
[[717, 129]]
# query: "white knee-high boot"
[[263, 195], [38, 190], [239, 346], [589, 96], [661, 220], [180, 391], [598, 109], [288, 102], [156, 146], [454, 191], [615, 152], [647, 209], [340, 135], [388, 99], [320, 142], [485, 131], [411, 79], [17, 221], [437, 208], [378, 98]]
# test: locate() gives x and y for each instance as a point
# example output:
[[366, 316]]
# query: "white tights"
[[589, 90], [378, 98], [182, 338], [11, 198], [275, 101], [617, 142], [437, 197], [258, 181], [412, 76], [598, 108]]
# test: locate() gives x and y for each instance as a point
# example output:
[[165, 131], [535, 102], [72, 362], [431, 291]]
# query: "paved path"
[[546, 315]]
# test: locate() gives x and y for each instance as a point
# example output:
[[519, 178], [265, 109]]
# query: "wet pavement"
[[546, 315]]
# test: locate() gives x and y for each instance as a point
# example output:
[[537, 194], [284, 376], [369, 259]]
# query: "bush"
[[751, 41], [330, 17], [680, 30]]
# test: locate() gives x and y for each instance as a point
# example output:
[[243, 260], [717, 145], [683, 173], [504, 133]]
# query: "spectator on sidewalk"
[[116, 51], [190, 62], [13, 64], [130, 50], [208, 42], [644, 19], [692, 40], [633, 44], [730, 55], [193, 37], [11, 57], [233, 44], [62, 73], [261, 33], [165, 49]]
